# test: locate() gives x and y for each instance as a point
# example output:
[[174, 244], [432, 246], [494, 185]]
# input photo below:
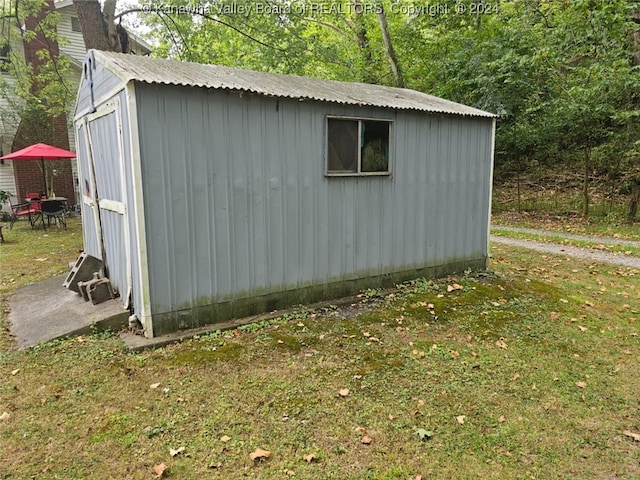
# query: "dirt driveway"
[[594, 254]]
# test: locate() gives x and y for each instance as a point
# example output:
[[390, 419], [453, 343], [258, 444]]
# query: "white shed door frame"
[[98, 203]]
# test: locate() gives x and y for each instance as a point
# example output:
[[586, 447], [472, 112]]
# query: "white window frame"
[[358, 173]]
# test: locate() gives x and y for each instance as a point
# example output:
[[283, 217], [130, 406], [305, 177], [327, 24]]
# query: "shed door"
[[104, 196]]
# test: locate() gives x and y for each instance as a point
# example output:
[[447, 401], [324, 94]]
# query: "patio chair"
[[30, 210], [55, 209]]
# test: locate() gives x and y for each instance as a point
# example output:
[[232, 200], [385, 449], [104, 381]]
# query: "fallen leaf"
[[5, 415], [225, 438], [501, 419], [259, 453], [309, 458], [154, 385], [460, 419], [391, 417], [455, 353], [343, 392], [173, 452], [361, 430], [424, 434], [581, 385], [630, 434], [366, 440], [15, 372], [453, 287], [280, 342], [215, 465], [42, 259], [290, 473], [159, 470], [501, 343]]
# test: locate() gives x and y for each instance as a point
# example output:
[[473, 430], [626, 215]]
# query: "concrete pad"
[[46, 310]]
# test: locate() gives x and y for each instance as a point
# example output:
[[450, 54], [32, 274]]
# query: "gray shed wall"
[[104, 85], [240, 217]]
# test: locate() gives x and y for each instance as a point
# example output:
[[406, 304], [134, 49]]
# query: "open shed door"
[[104, 204]]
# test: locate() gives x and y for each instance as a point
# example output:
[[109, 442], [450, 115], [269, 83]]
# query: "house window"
[[358, 146], [5, 59], [75, 25]]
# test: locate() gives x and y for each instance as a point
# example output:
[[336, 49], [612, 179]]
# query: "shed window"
[[358, 146], [5, 60]]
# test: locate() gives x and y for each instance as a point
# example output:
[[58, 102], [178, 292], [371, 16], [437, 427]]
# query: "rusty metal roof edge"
[[124, 66]]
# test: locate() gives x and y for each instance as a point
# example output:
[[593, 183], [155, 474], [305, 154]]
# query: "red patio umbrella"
[[42, 152]]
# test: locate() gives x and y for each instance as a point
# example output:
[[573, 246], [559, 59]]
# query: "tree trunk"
[[98, 30], [519, 183], [635, 200], [363, 43], [585, 186], [391, 53]]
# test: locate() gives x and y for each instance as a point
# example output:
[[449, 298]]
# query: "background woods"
[[563, 76]]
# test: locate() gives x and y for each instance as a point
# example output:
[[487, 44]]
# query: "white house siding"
[[9, 121], [74, 47]]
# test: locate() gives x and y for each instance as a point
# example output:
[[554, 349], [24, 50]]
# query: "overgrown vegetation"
[[527, 372], [563, 77]]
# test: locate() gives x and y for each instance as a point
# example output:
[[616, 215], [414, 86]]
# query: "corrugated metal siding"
[[120, 246], [103, 89], [105, 138], [130, 205], [237, 203], [89, 226]]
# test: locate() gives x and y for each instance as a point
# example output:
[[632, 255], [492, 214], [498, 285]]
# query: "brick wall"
[[28, 174]]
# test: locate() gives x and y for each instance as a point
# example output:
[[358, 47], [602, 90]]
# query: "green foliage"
[[34, 94], [558, 74]]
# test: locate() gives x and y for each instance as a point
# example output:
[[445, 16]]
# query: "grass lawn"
[[528, 372], [614, 226]]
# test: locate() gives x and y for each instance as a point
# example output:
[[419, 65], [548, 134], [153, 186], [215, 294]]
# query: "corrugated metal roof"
[[171, 72]]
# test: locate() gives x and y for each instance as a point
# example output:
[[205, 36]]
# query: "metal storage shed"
[[212, 193]]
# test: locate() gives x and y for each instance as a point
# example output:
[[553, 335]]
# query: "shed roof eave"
[[173, 73]]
